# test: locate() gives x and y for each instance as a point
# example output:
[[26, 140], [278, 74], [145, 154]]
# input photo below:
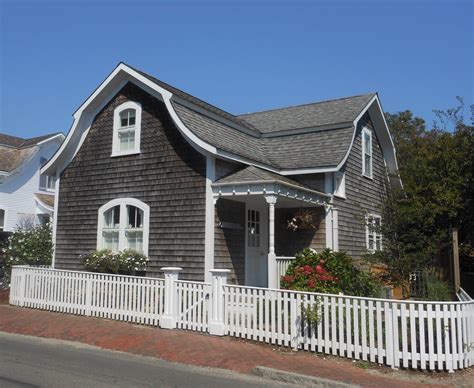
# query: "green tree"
[[436, 168]]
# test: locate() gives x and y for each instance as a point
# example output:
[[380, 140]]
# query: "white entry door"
[[256, 269]]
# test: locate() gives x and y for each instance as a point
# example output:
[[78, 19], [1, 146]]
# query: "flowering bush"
[[328, 272], [303, 219], [127, 262], [27, 246]]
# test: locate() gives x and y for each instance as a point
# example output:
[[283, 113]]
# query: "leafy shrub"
[[27, 246], [127, 262], [436, 289], [329, 272]]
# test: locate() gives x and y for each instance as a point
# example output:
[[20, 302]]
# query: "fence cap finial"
[[171, 269], [219, 271]]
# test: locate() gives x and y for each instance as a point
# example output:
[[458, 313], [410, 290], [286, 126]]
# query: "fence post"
[[13, 299], [216, 321], [22, 287], [168, 319], [88, 307]]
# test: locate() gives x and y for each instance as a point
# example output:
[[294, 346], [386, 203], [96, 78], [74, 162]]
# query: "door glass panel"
[[253, 228]]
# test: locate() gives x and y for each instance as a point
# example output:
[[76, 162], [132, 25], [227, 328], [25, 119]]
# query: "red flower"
[[288, 279], [320, 270], [311, 283]]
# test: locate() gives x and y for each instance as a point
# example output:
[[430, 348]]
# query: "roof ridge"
[[219, 111], [305, 104]]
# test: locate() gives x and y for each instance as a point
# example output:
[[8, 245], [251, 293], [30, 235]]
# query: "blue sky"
[[242, 56]]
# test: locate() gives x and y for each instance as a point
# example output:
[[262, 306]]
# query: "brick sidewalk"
[[186, 347]]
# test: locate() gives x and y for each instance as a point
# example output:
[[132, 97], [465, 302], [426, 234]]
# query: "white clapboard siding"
[[124, 298]]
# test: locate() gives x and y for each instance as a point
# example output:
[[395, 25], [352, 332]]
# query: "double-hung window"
[[123, 224], [127, 129], [373, 232], [367, 152], [47, 182]]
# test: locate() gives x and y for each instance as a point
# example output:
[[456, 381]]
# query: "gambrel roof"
[[301, 139]]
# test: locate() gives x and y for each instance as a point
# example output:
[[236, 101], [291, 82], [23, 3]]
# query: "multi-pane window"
[[367, 152], [123, 224], [126, 132], [47, 182], [127, 128], [373, 233], [111, 229], [253, 228]]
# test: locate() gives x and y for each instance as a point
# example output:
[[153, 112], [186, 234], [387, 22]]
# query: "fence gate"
[[192, 305]]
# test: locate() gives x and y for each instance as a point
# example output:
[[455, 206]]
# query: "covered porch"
[[251, 235]]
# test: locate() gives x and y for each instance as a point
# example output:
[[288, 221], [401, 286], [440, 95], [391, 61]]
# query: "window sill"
[[340, 196], [368, 177], [51, 191], [124, 153]]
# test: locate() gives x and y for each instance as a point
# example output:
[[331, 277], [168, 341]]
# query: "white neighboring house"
[[25, 195]]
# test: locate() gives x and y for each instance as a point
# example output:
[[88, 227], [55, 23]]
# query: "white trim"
[[44, 207], [57, 136], [339, 190], [209, 218], [365, 131], [335, 229], [270, 188], [329, 230], [123, 202], [374, 233], [122, 74], [55, 218], [137, 107]]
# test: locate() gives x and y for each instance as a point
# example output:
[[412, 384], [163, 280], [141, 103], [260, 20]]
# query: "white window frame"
[[340, 184], [365, 131], [136, 127], [375, 234], [123, 202]]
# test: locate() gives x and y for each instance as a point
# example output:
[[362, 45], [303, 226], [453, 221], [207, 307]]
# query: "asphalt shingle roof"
[[317, 114], [314, 135], [15, 150], [253, 174]]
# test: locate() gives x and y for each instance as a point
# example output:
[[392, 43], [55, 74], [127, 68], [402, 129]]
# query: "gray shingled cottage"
[[150, 167]]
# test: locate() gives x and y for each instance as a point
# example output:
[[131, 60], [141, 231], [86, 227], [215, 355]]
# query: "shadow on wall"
[[289, 242]]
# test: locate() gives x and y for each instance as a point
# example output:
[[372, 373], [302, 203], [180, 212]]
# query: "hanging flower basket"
[[303, 219]]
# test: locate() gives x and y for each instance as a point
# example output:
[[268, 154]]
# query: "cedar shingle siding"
[[229, 243], [168, 175], [363, 195]]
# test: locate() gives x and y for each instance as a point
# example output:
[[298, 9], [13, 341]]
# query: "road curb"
[[298, 379]]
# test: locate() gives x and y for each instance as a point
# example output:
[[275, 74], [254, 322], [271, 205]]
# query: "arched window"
[[123, 224], [127, 128]]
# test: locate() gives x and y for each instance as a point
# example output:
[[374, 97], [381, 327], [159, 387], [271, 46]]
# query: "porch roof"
[[253, 180]]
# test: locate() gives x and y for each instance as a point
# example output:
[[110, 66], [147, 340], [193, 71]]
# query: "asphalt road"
[[35, 362]]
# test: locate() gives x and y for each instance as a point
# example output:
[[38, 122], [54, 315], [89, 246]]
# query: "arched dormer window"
[[124, 224], [127, 128]]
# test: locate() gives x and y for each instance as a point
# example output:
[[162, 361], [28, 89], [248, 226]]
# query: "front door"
[[256, 247]]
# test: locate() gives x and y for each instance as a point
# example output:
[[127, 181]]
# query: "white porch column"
[[168, 319], [209, 218], [332, 228], [216, 321], [272, 271], [335, 229]]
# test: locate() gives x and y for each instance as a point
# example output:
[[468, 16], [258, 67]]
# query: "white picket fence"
[[409, 334]]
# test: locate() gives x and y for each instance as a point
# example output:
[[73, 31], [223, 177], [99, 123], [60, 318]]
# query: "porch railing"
[[282, 264]]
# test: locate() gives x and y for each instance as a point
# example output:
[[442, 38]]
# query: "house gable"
[[168, 175]]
